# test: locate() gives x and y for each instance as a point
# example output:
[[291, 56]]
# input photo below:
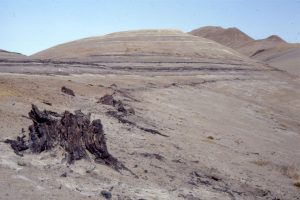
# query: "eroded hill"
[[147, 45], [189, 119], [272, 50]]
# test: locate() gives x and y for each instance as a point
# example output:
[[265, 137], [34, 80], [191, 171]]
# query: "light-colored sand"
[[252, 119]]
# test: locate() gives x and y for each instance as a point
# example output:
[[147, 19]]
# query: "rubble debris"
[[122, 119], [91, 169], [210, 137], [130, 111], [18, 145], [106, 194], [178, 161], [125, 94], [67, 91], [54, 114], [21, 163], [297, 184], [153, 155], [188, 197], [204, 178], [235, 190], [149, 130], [121, 111], [75, 133], [120, 107], [47, 103], [108, 99]]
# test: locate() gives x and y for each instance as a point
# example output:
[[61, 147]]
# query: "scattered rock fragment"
[[67, 91], [122, 111], [188, 197], [297, 184], [18, 145], [21, 163], [210, 137], [122, 119], [178, 161], [106, 194], [108, 99], [90, 169], [153, 155], [149, 130], [47, 103], [204, 178], [234, 189]]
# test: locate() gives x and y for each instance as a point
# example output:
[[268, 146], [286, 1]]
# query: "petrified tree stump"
[[75, 133]]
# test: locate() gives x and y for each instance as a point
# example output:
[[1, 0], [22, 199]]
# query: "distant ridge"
[[275, 38], [231, 37], [10, 55], [272, 50]]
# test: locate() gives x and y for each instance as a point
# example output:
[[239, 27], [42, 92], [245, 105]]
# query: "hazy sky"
[[28, 26]]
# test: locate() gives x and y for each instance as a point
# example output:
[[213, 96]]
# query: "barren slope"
[[144, 51], [272, 50], [275, 51], [256, 47], [229, 127], [230, 37], [230, 136], [147, 45], [10, 55]]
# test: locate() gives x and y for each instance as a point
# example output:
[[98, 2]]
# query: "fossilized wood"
[[117, 104], [121, 112], [75, 133]]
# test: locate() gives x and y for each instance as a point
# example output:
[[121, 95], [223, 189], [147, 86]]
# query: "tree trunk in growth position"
[[75, 133]]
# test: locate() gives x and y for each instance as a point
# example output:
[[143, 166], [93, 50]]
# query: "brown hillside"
[[231, 37], [272, 50], [10, 55], [145, 45]]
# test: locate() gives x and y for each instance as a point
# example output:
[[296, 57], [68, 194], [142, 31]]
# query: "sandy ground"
[[230, 136]]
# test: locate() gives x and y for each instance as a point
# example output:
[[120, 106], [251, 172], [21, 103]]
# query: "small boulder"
[[67, 91], [106, 194]]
